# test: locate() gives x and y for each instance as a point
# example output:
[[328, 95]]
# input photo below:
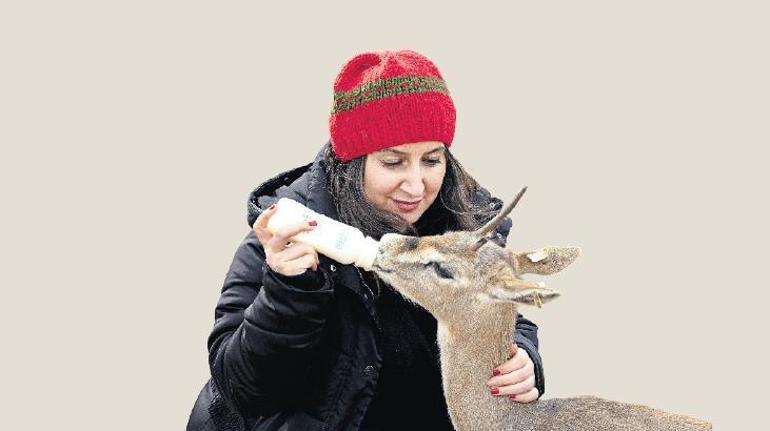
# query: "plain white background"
[[132, 133]]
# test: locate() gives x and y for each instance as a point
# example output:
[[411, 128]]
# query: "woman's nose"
[[414, 183]]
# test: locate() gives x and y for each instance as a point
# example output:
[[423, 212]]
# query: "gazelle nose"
[[412, 243]]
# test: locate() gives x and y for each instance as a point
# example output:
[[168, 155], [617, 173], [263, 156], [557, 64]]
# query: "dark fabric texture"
[[410, 379], [311, 352]]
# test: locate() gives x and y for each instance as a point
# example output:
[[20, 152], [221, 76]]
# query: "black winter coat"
[[300, 353]]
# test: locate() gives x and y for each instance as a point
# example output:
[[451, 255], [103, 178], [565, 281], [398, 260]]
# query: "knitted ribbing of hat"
[[381, 88]]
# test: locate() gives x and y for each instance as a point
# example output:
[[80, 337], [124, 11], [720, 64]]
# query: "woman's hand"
[[281, 255], [515, 378]]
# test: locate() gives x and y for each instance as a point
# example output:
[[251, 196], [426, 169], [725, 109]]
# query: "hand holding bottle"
[[281, 255], [292, 221]]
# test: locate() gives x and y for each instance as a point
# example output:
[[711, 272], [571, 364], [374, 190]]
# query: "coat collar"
[[305, 184]]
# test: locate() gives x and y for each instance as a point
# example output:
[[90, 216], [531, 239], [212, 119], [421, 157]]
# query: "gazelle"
[[473, 287]]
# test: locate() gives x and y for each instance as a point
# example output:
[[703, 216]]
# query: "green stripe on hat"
[[382, 88]]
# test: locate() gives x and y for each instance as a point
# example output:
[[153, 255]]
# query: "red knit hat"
[[388, 98]]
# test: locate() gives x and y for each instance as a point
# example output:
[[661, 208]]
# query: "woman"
[[302, 342]]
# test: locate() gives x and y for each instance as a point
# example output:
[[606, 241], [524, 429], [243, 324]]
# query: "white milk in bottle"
[[334, 239]]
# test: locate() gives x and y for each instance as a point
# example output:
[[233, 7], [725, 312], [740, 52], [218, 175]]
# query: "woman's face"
[[405, 180]]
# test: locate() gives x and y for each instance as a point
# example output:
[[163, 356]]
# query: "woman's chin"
[[412, 219], [409, 217]]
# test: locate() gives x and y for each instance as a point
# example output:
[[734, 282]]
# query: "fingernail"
[[513, 397], [312, 223], [272, 206], [495, 391], [496, 372]]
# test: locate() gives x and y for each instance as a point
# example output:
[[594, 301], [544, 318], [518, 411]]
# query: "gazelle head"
[[461, 270]]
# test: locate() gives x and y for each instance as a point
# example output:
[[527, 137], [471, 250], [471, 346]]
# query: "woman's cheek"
[[437, 181]]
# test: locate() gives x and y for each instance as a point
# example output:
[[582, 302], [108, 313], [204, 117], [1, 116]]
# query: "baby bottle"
[[334, 239]]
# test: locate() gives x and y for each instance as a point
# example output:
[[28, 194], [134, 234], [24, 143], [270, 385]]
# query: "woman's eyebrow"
[[439, 148], [391, 150]]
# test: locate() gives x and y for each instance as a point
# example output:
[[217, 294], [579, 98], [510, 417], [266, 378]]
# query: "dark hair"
[[456, 207]]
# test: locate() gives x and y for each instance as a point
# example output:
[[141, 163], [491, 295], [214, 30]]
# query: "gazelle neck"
[[471, 346]]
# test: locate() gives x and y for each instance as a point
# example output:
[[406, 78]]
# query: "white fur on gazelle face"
[[405, 180]]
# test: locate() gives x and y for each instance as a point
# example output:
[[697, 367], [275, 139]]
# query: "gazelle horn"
[[492, 224]]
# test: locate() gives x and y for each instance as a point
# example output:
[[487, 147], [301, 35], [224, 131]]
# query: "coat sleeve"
[[266, 327], [525, 336]]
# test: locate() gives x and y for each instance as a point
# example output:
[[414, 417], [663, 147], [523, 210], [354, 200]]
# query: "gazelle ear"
[[547, 260], [536, 297], [505, 287]]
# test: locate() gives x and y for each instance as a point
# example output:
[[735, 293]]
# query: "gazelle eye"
[[440, 270]]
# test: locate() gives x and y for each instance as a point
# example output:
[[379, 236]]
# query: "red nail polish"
[[312, 223], [513, 397], [495, 372], [495, 391]]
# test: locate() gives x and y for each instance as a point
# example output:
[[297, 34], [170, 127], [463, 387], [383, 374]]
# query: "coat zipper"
[[371, 292]]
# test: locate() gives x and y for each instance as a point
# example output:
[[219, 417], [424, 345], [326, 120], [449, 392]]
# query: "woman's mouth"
[[407, 206]]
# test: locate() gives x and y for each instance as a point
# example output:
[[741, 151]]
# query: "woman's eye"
[[395, 163], [440, 270]]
